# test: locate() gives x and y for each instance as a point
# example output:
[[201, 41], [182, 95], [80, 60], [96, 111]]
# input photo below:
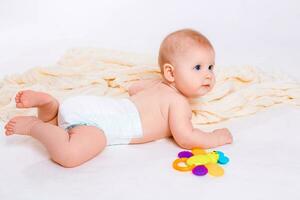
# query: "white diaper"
[[117, 117]]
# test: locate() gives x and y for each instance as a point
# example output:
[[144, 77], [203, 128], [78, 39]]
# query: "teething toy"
[[214, 169], [184, 154], [180, 168], [200, 162], [200, 170], [197, 151], [203, 159]]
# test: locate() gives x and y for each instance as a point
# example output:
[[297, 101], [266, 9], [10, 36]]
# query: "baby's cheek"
[[213, 82]]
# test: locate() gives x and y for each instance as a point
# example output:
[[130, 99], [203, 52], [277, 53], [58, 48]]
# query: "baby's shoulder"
[[170, 97], [180, 108], [179, 101]]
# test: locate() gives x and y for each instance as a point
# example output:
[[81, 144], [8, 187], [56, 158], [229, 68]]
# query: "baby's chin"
[[201, 92]]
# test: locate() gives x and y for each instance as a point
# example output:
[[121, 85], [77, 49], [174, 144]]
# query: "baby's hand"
[[224, 136]]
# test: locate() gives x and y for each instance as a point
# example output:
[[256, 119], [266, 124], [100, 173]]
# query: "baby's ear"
[[168, 71]]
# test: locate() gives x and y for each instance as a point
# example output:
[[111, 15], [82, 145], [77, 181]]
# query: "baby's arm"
[[141, 85], [180, 115]]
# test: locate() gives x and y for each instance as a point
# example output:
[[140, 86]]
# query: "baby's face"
[[194, 75]]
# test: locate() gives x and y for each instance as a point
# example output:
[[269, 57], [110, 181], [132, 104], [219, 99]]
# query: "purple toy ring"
[[200, 170], [185, 154]]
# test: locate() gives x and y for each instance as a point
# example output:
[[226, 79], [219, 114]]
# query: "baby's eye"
[[197, 67], [211, 67]]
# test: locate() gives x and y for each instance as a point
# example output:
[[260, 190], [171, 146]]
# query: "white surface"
[[265, 160], [264, 163]]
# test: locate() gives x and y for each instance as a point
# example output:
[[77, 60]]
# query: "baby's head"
[[186, 59]]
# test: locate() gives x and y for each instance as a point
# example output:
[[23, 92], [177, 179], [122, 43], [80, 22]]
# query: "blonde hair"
[[178, 41]]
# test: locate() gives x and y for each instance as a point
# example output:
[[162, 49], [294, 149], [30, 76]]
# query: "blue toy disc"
[[221, 154], [223, 160]]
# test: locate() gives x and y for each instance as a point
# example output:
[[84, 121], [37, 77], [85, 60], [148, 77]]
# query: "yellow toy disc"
[[214, 157], [198, 151], [180, 168], [214, 169], [198, 160]]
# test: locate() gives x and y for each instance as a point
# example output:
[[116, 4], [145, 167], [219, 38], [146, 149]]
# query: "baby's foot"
[[30, 98], [223, 136], [20, 125]]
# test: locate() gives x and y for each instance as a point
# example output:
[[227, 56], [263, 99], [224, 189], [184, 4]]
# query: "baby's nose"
[[208, 75]]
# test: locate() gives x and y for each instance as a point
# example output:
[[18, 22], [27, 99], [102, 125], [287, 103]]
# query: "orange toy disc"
[[214, 169], [180, 168], [198, 151]]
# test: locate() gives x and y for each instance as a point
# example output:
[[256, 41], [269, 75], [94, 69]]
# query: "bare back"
[[153, 106]]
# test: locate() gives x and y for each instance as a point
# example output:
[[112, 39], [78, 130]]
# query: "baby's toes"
[[22, 101], [9, 127], [18, 100], [9, 131], [18, 95], [10, 123]]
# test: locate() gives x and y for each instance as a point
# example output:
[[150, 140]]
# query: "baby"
[[80, 127]]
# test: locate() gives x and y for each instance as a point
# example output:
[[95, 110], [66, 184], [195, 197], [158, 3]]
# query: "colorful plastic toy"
[[200, 162]]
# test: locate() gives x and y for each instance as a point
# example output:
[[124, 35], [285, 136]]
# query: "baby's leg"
[[71, 149], [46, 104]]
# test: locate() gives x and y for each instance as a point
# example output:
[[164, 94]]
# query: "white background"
[[264, 158], [250, 32]]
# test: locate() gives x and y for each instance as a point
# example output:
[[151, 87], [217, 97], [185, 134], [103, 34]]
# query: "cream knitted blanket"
[[239, 91]]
